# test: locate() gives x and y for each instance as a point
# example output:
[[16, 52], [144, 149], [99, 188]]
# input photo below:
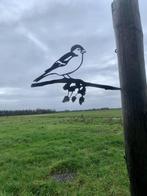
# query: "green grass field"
[[65, 154]]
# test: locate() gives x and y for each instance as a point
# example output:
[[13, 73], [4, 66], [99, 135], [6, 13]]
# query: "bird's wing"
[[61, 62], [66, 58]]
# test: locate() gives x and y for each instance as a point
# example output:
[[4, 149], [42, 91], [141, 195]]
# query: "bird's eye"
[[78, 48]]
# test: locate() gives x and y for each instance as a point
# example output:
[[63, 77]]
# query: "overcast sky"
[[34, 34]]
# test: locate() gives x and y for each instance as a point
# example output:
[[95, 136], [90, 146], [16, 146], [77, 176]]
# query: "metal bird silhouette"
[[65, 66]]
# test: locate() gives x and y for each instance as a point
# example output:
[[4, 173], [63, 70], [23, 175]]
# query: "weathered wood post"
[[130, 51]]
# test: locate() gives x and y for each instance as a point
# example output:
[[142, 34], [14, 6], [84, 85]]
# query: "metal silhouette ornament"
[[63, 68]]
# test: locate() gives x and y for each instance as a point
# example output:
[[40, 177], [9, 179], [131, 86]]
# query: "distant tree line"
[[25, 112], [46, 111]]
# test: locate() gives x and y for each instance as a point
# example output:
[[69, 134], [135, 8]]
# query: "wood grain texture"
[[130, 50]]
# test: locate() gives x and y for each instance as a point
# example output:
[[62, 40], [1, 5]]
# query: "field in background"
[[65, 154]]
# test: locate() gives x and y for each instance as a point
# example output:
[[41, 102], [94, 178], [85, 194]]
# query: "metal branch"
[[72, 80]]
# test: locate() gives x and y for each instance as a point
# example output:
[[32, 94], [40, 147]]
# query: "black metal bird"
[[64, 65]]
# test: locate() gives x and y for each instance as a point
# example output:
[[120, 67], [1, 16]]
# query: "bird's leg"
[[68, 76], [64, 76]]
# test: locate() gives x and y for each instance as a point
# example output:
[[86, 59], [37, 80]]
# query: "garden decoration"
[[63, 68]]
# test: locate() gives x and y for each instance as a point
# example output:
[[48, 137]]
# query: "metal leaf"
[[73, 98], [81, 100], [66, 99]]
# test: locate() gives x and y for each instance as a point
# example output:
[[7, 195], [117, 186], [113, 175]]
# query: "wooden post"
[[130, 51]]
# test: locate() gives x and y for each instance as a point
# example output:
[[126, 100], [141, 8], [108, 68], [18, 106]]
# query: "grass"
[[85, 145]]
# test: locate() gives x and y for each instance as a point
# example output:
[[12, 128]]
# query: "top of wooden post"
[[124, 10]]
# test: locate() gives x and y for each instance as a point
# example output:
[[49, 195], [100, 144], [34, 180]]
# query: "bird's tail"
[[40, 77], [44, 75]]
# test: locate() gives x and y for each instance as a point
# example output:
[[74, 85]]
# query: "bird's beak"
[[83, 51]]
